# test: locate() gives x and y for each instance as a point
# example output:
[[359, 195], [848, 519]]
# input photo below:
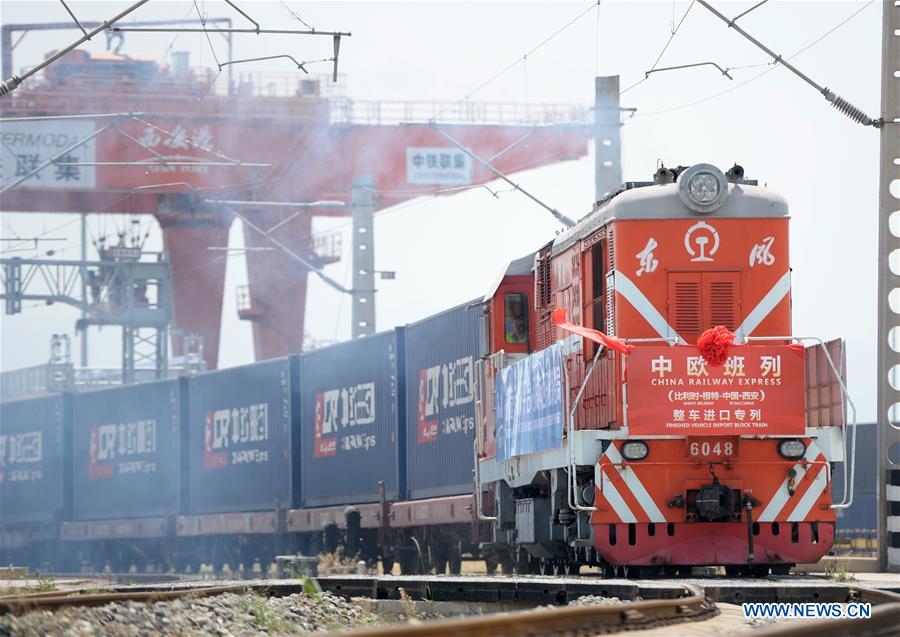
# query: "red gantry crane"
[[111, 133]]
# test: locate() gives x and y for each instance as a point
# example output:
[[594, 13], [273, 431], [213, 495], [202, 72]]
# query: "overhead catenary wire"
[[772, 66], [566, 221], [518, 61], [80, 26], [845, 107], [10, 84], [674, 30], [297, 17]]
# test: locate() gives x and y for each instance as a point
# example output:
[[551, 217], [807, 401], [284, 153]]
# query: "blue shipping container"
[[351, 401], [241, 430], [862, 514], [33, 459], [126, 449], [441, 352]]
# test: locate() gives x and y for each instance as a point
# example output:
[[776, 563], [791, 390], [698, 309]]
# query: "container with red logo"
[[241, 424], [441, 352], [126, 451], [351, 396], [33, 459]]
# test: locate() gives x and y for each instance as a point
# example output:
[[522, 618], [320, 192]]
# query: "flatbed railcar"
[[211, 469]]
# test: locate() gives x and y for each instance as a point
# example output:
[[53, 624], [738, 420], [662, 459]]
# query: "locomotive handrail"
[[671, 340], [572, 490], [479, 373], [849, 459], [478, 505]]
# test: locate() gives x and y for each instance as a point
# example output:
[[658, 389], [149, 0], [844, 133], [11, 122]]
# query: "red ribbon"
[[558, 318]]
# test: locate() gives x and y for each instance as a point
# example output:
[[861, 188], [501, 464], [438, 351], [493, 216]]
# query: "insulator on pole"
[[848, 109], [9, 86]]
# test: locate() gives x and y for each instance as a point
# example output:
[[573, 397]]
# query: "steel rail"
[[593, 619], [16, 604], [883, 623]]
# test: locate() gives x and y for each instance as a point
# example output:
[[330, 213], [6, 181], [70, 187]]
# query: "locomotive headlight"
[[792, 449], [702, 187], [635, 450]]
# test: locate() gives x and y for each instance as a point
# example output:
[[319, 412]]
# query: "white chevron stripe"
[[645, 308], [782, 495], [809, 498], [618, 503], [636, 487], [764, 307]]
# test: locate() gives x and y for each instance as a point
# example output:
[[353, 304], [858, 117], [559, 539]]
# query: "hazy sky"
[[448, 249]]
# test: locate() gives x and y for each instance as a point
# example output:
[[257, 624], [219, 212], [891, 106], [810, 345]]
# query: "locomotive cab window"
[[515, 313]]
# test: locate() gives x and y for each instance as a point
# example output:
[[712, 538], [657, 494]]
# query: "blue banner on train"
[[529, 399]]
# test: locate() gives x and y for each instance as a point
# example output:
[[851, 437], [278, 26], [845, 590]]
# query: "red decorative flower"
[[714, 343]]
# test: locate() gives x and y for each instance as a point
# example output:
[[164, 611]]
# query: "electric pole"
[[888, 480], [363, 202], [607, 136]]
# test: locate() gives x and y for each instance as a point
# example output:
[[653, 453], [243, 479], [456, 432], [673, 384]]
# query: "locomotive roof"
[[661, 201]]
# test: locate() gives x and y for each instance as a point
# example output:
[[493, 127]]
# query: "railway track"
[[693, 604], [884, 622], [18, 604], [574, 620]]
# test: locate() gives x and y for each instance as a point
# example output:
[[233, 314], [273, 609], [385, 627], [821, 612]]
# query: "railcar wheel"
[[523, 563], [387, 565], [409, 562], [573, 568], [547, 566], [733, 570], [490, 566]]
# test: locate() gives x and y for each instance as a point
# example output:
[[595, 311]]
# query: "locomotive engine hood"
[[669, 196]]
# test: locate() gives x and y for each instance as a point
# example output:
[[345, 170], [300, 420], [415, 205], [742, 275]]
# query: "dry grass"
[[336, 563]]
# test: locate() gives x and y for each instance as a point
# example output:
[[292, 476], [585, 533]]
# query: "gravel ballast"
[[223, 615]]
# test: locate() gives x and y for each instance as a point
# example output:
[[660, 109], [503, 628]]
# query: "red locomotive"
[[702, 433]]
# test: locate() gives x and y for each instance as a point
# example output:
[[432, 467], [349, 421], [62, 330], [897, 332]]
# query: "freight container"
[[351, 399], [34, 463], [126, 448], [861, 515], [241, 431], [441, 352]]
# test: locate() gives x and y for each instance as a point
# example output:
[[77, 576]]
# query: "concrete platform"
[[535, 590]]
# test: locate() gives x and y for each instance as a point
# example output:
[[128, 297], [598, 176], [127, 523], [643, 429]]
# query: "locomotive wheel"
[[454, 560], [490, 566], [507, 566], [759, 570]]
